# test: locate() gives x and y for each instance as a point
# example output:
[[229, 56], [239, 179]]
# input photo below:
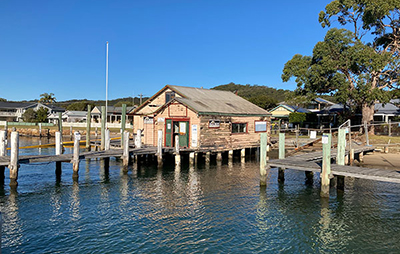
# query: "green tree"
[[29, 116], [47, 98], [297, 117], [356, 71], [264, 101], [2, 99], [80, 106], [41, 115]]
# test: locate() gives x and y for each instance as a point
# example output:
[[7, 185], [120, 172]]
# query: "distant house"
[[68, 116], [114, 114], [385, 112], [13, 111], [282, 111], [201, 119], [318, 104]]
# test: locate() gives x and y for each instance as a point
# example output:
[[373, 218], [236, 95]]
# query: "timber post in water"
[[326, 165], [123, 121], [103, 127], [60, 122], [107, 140], [243, 155], [3, 150], [125, 156], [138, 139], [281, 171], [88, 122], [341, 154], [159, 147], [177, 154], [14, 158], [263, 159], [58, 152], [75, 160]]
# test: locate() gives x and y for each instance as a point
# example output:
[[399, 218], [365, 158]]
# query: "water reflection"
[[75, 202]]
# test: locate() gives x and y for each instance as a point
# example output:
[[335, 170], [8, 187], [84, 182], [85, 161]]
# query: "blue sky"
[[60, 46]]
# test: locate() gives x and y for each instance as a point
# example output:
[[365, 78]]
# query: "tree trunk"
[[368, 116]]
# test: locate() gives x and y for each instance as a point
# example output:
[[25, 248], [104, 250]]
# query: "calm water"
[[219, 209]]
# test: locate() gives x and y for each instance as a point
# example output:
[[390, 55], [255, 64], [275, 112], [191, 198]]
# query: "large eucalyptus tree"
[[359, 63]]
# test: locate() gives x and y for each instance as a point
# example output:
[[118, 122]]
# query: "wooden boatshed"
[[202, 119]]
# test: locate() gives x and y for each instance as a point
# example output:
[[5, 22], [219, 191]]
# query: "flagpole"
[[106, 84]]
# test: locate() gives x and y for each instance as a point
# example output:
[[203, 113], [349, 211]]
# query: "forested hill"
[[263, 96]]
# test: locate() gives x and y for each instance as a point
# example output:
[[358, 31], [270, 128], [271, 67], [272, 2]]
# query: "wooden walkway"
[[312, 162], [26, 159]]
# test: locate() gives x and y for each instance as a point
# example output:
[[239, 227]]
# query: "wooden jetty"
[[321, 162]]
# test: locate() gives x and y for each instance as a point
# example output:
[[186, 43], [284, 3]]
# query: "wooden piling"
[[243, 155], [138, 139], [14, 158], [281, 171], [341, 147], [208, 158], [40, 130], [230, 155], [60, 129], [123, 121], [177, 154], [103, 128], [340, 183], [58, 143], [88, 122], [219, 156], [75, 160], [309, 176], [3, 150], [107, 140], [263, 159], [159, 148], [351, 157], [326, 165], [191, 158], [125, 156]]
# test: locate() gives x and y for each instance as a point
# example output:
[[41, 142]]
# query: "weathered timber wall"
[[223, 138]]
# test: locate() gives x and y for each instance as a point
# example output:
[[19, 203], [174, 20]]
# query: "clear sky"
[[60, 46]]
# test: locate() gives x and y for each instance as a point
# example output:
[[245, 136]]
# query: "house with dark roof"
[[282, 111], [13, 111], [201, 119]]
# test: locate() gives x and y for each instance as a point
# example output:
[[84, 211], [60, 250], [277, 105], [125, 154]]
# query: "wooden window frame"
[[235, 133]]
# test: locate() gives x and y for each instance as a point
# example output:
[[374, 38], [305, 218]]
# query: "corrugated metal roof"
[[14, 105], [387, 108], [205, 101]]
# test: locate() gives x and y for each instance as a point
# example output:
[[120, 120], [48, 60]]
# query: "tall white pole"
[[106, 84]]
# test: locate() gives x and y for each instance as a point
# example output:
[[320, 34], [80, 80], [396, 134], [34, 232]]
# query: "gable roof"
[[291, 108], [213, 102], [15, 105]]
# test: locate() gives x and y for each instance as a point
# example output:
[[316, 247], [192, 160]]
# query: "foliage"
[[2, 99], [297, 117], [47, 98], [343, 65], [256, 93], [264, 101], [29, 115], [80, 106], [128, 103], [41, 115]]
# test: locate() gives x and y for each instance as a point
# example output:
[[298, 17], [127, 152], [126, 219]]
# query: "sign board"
[[313, 134], [148, 120], [214, 123], [194, 135], [161, 119], [260, 126], [346, 130], [325, 139], [182, 128]]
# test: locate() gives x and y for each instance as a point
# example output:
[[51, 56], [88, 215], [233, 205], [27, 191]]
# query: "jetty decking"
[[312, 162]]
